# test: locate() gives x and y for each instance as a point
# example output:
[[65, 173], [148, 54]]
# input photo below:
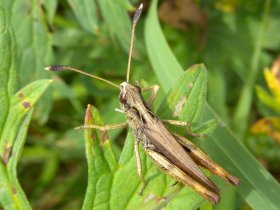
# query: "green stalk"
[[241, 115]]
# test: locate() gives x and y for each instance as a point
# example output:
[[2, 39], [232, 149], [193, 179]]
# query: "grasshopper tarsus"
[[174, 184], [197, 135], [79, 128], [233, 180], [140, 193]]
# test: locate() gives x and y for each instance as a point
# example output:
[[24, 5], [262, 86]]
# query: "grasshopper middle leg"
[[139, 165], [184, 124], [154, 89]]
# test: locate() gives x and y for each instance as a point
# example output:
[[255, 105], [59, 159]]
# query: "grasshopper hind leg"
[[170, 169], [203, 160]]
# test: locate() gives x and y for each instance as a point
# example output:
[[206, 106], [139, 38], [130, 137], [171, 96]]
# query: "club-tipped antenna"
[[136, 17], [64, 67]]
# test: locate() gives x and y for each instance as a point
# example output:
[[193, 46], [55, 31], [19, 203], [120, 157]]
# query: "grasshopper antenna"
[[136, 17], [63, 67]]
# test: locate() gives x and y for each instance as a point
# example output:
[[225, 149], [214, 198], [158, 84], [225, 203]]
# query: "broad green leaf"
[[11, 182], [100, 164], [86, 13], [193, 85], [7, 65], [34, 50], [15, 118], [20, 104], [12, 142], [256, 182]]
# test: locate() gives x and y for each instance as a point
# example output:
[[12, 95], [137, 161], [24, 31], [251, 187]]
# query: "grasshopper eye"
[[138, 88], [122, 98], [123, 86]]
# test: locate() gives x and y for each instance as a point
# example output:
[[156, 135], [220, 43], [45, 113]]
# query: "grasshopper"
[[175, 155]]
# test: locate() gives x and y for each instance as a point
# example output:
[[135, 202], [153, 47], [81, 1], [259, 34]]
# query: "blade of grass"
[[256, 182], [86, 14]]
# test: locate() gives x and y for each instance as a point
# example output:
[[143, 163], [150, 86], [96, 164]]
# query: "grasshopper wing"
[[164, 143]]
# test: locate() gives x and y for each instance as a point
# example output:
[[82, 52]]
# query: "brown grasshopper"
[[173, 154]]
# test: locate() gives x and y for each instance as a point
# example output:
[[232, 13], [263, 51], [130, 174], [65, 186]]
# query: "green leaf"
[[12, 142], [172, 73], [100, 164], [86, 14], [192, 84], [20, 104], [9, 176], [7, 65], [34, 47], [16, 114], [222, 146], [51, 6], [117, 20], [242, 112]]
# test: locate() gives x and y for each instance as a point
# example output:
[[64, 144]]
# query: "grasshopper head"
[[130, 95]]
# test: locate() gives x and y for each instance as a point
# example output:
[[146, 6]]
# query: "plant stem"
[[241, 115]]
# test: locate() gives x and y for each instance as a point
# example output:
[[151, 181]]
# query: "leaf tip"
[[88, 114]]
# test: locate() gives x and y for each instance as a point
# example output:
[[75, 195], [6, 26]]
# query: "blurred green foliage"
[[235, 40]]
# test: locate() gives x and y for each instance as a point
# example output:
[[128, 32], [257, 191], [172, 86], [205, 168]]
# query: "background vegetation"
[[235, 40]]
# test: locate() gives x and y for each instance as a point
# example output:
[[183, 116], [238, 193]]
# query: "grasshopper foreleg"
[[103, 127], [154, 89]]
